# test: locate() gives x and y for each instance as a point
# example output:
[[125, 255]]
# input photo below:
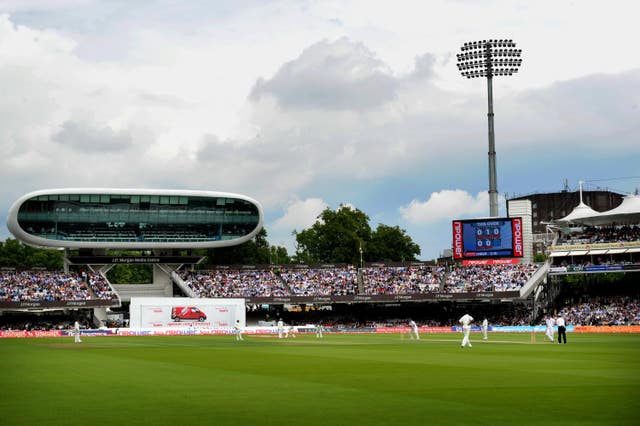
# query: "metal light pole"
[[487, 58]]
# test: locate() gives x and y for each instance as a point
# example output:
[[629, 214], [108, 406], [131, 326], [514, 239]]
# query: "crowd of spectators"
[[235, 283], [29, 322], [342, 281], [321, 282], [603, 234], [48, 286], [509, 277], [424, 314], [613, 310], [402, 280], [100, 287]]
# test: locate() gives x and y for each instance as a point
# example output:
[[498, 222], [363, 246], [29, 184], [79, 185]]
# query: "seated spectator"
[[47, 286], [401, 280], [235, 283], [321, 282], [479, 278], [614, 310], [602, 234]]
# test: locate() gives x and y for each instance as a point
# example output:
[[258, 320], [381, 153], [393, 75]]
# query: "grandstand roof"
[[582, 211], [626, 213]]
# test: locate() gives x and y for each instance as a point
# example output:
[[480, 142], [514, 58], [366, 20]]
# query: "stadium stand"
[[341, 281], [509, 277], [235, 283], [402, 280], [615, 310], [47, 286], [601, 234], [321, 282]]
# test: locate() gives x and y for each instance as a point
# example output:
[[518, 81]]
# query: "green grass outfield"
[[340, 380]]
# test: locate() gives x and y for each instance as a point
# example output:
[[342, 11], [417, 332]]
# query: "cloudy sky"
[[304, 105]]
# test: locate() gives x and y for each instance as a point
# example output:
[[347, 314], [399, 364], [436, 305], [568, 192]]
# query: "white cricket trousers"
[[466, 329]]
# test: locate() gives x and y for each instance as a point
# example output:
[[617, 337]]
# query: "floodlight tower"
[[487, 58]]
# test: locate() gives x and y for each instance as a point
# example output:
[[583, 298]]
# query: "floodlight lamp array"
[[487, 58]]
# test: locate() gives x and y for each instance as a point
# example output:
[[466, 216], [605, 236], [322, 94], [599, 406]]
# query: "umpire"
[[562, 330]]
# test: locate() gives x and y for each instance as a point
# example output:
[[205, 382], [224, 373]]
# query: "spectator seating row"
[[46, 286], [602, 234], [464, 279], [235, 283], [402, 280], [616, 310], [321, 282], [344, 281]]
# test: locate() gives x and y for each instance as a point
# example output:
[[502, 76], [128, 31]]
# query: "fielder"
[[485, 328], [280, 328], [319, 330], [290, 331], [76, 332], [238, 330], [549, 321], [414, 330], [466, 321]]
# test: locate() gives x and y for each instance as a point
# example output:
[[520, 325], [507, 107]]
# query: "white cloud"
[[339, 75], [299, 215], [446, 205], [84, 137]]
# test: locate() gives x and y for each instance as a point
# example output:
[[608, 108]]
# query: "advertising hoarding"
[[148, 313]]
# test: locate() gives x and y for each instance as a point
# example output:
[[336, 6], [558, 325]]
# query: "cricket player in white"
[[319, 330], [414, 330], [549, 321], [76, 332], [485, 328], [289, 332], [280, 328], [238, 330], [466, 321]]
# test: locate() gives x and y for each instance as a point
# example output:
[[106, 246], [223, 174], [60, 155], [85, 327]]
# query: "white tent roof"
[[628, 212], [581, 211]]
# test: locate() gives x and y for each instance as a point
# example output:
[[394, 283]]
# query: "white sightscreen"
[[148, 313]]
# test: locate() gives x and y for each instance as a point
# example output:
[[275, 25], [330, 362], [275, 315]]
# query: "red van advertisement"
[[188, 313]]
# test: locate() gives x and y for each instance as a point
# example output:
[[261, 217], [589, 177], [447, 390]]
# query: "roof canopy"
[[628, 212]]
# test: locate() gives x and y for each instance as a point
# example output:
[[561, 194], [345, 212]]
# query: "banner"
[[457, 240], [518, 245], [614, 329], [622, 329], [592, 246], [473, 262], [92, 303]]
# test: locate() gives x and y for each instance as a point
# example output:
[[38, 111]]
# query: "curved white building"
[[110, 218]]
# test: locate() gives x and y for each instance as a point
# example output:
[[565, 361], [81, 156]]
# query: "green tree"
[[131, 274], [278, 255], [15, 254], [390, 244], [336, 236]]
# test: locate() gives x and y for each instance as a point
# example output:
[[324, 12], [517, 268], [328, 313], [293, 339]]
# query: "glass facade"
[[141, 218]]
